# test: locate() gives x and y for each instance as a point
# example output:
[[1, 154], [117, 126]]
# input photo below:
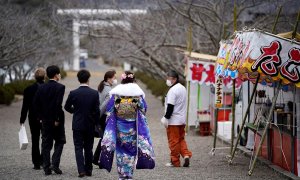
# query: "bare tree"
[[150, 40], [27, 36], [213, 19]]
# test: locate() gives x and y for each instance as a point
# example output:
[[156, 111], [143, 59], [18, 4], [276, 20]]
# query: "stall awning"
[[198, 56], [200, 69], [289, 35], [202, 57], [254, 53]]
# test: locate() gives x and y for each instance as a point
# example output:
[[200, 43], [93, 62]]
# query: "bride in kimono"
[[127, 130]]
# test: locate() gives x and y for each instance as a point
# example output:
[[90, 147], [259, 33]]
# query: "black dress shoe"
[[47, 171], [81, 175], [88, 173], [56, 170]]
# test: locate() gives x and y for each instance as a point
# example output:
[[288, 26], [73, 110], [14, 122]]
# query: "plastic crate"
[[204, 128]]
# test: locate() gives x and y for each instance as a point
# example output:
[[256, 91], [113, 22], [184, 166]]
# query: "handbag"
[[100, 127], [23, 138]]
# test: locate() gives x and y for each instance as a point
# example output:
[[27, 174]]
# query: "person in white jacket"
[[174, 121]]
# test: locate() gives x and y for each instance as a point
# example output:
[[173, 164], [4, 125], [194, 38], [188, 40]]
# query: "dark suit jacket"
[[28, 106], [84, 104], [48, 102]]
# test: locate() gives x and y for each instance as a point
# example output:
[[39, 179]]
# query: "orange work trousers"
[[177, 143]]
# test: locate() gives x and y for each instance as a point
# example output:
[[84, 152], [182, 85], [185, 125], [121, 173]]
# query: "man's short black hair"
[[173, 74], [52, 71], [83, 76]]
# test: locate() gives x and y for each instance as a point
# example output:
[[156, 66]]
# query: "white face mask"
[[168, 83], [115, 82]]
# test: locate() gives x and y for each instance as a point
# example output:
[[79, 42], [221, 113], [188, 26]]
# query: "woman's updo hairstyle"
[[127, 77]]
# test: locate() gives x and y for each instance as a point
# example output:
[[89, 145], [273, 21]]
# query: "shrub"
[[156, 86], [7, 95], [63, 73], [19, 86], [141, 76], [160, 89]]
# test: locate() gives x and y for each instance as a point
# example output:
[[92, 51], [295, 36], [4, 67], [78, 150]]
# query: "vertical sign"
[[219, 92]]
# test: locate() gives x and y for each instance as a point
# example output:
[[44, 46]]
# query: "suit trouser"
[[177, 143], [84, 140], [35, 129], [97, 152], [52, 133]]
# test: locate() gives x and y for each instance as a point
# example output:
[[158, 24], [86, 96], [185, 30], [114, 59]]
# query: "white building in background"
[[128, 67], [83, 57], [84, 54], [121, 14]]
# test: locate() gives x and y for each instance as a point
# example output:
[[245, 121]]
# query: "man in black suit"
[[84, 104], [48, 103], [34, 123]]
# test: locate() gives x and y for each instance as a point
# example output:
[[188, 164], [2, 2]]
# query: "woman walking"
[[104, 87], [127, 130]]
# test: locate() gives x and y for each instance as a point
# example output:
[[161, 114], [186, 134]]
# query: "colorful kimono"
[[127, 132]]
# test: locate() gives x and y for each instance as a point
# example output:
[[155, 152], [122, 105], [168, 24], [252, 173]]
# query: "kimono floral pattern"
[[126, 147], [108, 135], [129, 137], [125, 164], [146, 154], [145, 146]]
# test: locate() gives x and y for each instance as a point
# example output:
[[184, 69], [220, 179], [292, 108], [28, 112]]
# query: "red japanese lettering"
[[269, 60], [227, 81], [210, 74], [197, 70], [288, 70]]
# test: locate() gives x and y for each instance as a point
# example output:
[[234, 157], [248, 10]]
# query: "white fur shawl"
[[130, 89]]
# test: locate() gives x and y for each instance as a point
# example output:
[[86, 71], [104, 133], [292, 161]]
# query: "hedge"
[[19, 85], [8, 91], [157, 87], [7, 95], [63, 73]]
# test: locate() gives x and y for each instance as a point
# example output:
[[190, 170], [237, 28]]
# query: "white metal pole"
[[76, 42]]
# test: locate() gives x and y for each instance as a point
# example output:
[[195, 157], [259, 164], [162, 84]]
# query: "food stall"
[[201, 82], [272, 63], [200, 77]]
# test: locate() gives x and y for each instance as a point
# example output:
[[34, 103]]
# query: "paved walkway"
[[16, 164]]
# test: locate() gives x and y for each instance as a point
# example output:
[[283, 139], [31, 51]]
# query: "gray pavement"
[[16, 164]]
